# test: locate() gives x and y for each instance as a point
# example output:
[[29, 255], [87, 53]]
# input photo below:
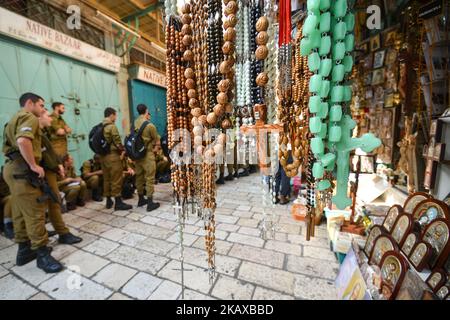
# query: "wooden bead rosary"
[[293, 113]]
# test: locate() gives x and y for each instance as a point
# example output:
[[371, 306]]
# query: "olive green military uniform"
[[95, 181], [72, 192], [50, 163], [146, 167], [59, 143], [28, 214], [111, 163], [162, 165], [5, 200]]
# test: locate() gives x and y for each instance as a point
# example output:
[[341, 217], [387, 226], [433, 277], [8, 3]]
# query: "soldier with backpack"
[[145, 132], [105, 141]]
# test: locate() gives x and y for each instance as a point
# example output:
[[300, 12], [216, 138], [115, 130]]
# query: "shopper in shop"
[[22, 146], [71, 185], [112, 166], [92, 174], [53, 167], [59, 130], [146, 167]]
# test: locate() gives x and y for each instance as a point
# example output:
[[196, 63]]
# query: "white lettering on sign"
[[27, 30], [151, 76]]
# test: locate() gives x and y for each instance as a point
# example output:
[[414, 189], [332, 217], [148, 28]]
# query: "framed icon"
[[436, 279], [391, 217], [393, 269], [402, 228], [410, 243], [420, 256], [375, 43], [383, 244], [378, 60], [413, 200], [436, 234]]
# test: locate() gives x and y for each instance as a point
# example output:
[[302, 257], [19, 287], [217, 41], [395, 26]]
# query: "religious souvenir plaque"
[[410, 243], [437, 235], [443, 292], [402, 228], [429, 210], [392, 216], [420, 256], [383, 244], [413, 200], [393, 270], [374, 233], [436, 279]]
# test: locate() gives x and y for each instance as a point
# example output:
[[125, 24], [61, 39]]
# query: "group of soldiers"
[[38, 167]]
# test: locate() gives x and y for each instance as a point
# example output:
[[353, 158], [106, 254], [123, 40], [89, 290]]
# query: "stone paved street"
[[135, 255]]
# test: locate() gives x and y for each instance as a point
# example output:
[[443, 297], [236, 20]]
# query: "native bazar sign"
[[21, 28], [151, 76]]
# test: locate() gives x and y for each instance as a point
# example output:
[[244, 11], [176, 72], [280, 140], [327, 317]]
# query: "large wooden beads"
[[222, 98], [231, 8], [230, 34], [262, 38], [262, 52], [262, 24], [211, 118], [228, 48], [262, 79]]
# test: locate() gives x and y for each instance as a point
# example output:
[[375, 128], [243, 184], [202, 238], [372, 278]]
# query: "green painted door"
[[84, 89], [154, 98]]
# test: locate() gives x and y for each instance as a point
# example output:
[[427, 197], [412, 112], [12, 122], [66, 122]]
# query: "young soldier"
[[112, 163], [22, 146], [146, 167], [59, 130], [53, 167], [92, 174], [73, 186]]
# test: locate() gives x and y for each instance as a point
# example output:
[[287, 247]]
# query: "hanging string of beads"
[[270, 64], [177, 107]]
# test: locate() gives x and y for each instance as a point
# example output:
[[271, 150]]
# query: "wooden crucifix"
[[434, 154]]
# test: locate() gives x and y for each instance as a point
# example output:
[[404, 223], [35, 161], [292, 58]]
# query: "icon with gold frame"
[[382, 244], [374, 233], [393, 269], [413, 200], [391, 216], [436, 234], [420, 256], [402, 228], [429, 210], [410, 243], [436, 279]]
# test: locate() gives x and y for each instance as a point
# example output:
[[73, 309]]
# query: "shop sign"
[[431, 10], [151, 76], [21, 28]]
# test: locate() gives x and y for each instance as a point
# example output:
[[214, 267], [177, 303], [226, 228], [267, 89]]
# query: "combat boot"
[[25, 254], [81, 203], [220, 180], [142, 201], [109, 203], [244, 173], [122, 206], [96, 196], [229, 177], [151, 205], [69, 238], [283, 200], [9, 230], [46, 262]]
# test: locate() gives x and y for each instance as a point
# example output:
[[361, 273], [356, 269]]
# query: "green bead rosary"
[[329, 42]]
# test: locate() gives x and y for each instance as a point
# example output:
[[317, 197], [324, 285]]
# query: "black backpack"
[[97, 141], [134, 144]]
